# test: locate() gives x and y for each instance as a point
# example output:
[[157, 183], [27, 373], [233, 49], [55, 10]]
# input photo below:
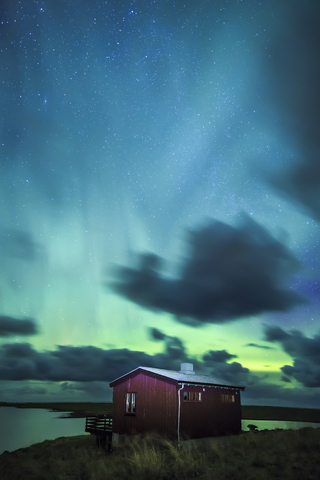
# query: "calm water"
[[21, 427], [272, 424]]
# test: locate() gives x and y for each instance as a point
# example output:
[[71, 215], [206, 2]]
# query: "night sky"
[[159, 195]]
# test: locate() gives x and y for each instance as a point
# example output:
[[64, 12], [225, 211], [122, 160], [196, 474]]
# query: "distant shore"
[[286, 414], [248, 412], [76, 409]]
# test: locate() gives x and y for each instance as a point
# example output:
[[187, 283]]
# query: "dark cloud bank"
[[230, 272], [88, 370], [20, 361]]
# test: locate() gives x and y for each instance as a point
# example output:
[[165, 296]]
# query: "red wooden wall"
[[210, 417], [157, 408]]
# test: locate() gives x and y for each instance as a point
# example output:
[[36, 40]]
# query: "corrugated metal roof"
[[184, 378]]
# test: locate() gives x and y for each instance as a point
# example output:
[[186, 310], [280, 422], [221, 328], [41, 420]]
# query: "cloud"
[[18, 350], [274, 333], [256, 345], [86, 371], [94, 390], [295, 343], [304, 351], [215, 363], [284, 378], [75, 386], [229, 273], [20, 361], [304, 372], [270, 394], [218, 356], [10, 326], [174, 347], [294, 78], [26, 390], [156, 334]]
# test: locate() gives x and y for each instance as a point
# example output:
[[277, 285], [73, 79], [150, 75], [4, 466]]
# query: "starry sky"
[[159, 195]]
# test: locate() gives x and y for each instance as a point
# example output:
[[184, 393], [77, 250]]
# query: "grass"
[[285, 454]]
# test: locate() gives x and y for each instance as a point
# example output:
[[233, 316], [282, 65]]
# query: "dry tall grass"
[[287, 454]]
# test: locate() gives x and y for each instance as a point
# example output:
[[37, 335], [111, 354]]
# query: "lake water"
[[273, 424], [22, 427]]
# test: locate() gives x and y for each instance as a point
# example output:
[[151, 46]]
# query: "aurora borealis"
[[159, 195]]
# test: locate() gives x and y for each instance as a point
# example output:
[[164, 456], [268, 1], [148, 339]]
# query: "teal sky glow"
[[159, 195]]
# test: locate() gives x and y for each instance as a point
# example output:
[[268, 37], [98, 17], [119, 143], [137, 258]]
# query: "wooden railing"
[[99, 424]]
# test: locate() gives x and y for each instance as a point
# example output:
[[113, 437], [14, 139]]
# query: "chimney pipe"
[[187, 369]]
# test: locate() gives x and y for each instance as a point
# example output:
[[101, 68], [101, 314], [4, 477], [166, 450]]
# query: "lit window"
[[130, 403], [192, 396], [226, 398]]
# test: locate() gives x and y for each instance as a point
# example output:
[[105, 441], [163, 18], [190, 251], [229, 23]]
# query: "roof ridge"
[[199, 379]]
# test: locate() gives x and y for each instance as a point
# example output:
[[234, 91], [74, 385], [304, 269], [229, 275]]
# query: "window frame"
[[193, 397], [228, 398], [131, 403]]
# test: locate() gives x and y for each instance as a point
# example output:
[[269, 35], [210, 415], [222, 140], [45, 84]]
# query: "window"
[[226, 398], [130, 403], [192, 396]]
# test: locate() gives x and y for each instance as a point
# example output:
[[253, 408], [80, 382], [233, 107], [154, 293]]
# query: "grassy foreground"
[[285, 454]]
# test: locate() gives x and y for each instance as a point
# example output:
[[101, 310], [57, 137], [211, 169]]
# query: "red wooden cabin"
[[174, 404]]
